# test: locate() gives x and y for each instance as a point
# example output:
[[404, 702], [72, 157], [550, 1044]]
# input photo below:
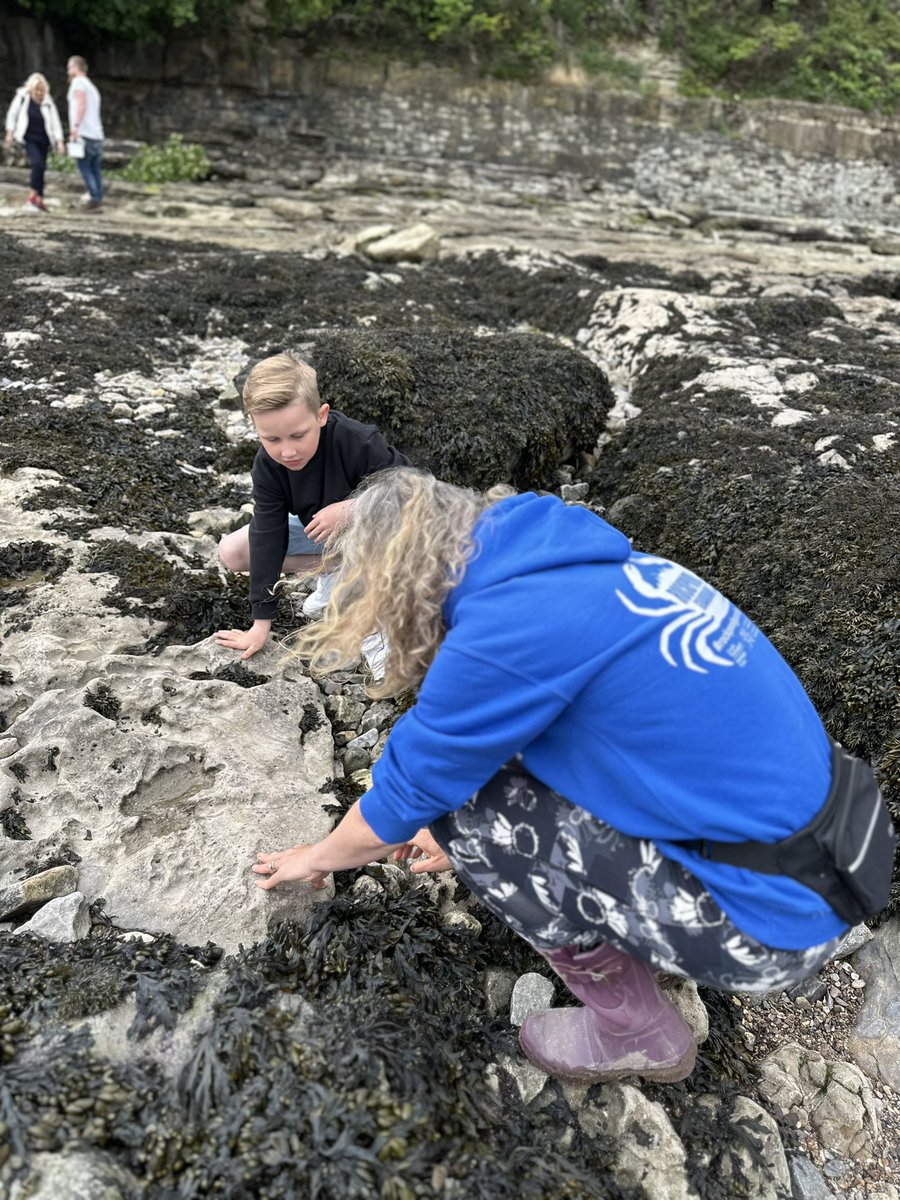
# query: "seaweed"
[[13, 825], [192, 603], [311, 720], [21, 559], [475, 410], [102, 701], [235, 673]]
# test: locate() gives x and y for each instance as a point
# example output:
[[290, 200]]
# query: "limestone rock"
[[19, 897], [854, 940], [531, 993], [528, 1079], [364, 741], [807, 1182], [372, 233], [648, 1152], [418, 243], [295, 211], [76, 1175], [834, 1098], [354, 760], [457, 918], [684, 995], [215, 521], [765, 1166], [377, 716], [874, 1042], [498, 986], [66, 919], [169, 796]]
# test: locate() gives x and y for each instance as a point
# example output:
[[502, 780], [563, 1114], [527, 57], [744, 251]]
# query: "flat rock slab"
[[169, 797]]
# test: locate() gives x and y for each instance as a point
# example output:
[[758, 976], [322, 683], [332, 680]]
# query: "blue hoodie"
[[628, 685]]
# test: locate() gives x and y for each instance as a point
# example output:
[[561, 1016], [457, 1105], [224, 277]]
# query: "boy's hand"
[[328, 520], [249, 641], [424, 843]]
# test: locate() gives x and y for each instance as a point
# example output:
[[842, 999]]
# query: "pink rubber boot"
[[628, 1027]]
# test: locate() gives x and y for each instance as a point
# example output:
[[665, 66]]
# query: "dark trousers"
[[37, 159], [559, 876]]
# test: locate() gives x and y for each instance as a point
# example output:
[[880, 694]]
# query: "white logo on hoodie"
[[703, 627]]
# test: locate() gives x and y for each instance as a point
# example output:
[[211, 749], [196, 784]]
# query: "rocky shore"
[[721, 384]]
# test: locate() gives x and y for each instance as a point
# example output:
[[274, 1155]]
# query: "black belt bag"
[[845, 853]]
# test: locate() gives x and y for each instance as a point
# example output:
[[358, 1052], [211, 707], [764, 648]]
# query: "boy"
[[309, 461]]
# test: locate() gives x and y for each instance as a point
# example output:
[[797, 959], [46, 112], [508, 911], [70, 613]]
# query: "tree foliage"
[[842, 51], [131, 20]]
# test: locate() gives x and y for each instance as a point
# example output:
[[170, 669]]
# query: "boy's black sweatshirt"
[[348, 451]]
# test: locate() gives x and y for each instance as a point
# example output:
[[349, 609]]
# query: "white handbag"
[[75, 149]]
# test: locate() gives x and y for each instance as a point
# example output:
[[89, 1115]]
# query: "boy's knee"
[[234, 553]]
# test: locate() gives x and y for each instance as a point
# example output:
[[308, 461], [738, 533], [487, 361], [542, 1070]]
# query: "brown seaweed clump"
[[343, 1060]]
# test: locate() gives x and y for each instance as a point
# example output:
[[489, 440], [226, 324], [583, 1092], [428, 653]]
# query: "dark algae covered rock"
[[474, 409]]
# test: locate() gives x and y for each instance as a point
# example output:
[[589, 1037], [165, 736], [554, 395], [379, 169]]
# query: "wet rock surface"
[[731, 401]]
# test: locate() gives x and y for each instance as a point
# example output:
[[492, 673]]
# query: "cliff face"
[[251, 97]]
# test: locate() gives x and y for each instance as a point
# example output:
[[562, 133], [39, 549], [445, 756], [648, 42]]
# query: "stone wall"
[[251, 98]]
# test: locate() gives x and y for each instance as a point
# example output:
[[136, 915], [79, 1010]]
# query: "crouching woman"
[[596, 731]]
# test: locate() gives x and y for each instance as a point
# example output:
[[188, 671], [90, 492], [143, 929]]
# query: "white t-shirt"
[[91, 126]]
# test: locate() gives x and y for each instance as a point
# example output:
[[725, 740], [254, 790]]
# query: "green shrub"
[[61, 163], [174, 162]]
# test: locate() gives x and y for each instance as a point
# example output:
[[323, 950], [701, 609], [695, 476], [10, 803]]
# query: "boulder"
[[475, 410], [76, 1175], [19, 897], [807, 1182], [417, 243], [874, 1041], [833, 1098], [65, 919], [532, 992], [647, 1152]]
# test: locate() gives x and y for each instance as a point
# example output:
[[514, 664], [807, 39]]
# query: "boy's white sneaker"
[[317, 600], [375, 652]]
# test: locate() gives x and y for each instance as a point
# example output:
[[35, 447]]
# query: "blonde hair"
[[33, 80], [279, 381], [405, 547], [79, 63]]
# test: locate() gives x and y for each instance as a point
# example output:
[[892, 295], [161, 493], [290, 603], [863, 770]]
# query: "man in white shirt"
[[85, 124]]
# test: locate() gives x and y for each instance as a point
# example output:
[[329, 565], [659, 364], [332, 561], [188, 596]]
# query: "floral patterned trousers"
[[559, 876]]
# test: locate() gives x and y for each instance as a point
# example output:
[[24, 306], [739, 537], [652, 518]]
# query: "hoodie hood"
[[528, 534]]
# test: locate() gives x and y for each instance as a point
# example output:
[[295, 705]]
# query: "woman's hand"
[[328, 521], [61, 146], [8, 140], [424, 843], [286, 866]]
